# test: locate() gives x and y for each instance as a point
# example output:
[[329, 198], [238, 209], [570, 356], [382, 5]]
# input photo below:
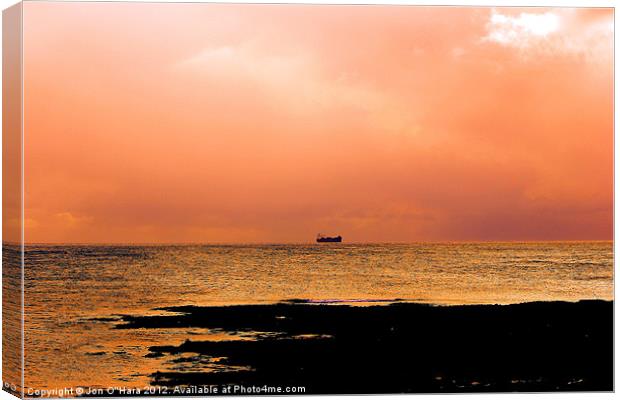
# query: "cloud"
[[565, 32], [523, 30], [297, 84], [69, 220]]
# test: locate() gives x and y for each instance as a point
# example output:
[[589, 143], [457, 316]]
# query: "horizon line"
[[302, 243]]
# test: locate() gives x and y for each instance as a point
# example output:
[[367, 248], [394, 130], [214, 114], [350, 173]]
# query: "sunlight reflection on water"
[[73, 292]]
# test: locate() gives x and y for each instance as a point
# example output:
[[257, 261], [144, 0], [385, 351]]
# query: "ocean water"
[[74, 294]]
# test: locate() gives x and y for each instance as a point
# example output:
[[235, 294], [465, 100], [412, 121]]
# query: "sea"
[[75, 295]]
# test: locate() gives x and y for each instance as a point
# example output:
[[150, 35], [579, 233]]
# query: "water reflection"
[[75, 295]]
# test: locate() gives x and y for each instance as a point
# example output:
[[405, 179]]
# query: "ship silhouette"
[[320, 238]]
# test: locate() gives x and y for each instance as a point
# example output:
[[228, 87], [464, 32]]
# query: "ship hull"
[[329, 240]]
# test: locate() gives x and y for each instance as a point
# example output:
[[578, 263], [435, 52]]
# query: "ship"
[[320, 238]]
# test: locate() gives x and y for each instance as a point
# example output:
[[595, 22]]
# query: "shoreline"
[[394, 348]]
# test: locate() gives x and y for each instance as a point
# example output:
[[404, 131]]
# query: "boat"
[[327, 239]]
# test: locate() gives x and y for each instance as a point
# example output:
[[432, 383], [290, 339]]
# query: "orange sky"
[[270, 123]]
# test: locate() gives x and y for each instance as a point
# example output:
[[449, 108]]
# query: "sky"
[[174, 123]]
